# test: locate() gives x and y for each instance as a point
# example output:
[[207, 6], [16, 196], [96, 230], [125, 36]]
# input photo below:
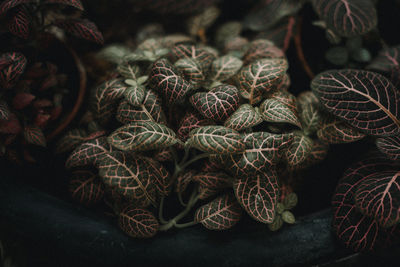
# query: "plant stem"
[[160, 211], [196, 158], [183, 225], [299, 50], [185, 156], [181, 199]]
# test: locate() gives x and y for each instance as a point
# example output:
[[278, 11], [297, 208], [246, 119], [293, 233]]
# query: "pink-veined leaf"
[[88, 153], [390, 146], [138, 223], [347, 18], [192, 71], [216, 139], [244, 117], [281, 33], [189, 122], [220, 214], [261, 77], [34, 135], [203, 57], [262, 49], [183, 180], [85, 187], [258, 195], [310, 115], [74, 3], [4, 111], [9, 75], [387, 62], [22, 100], [161, 177], [20, 24], [318, 153], [8, 4], [164, 79], [364, 99], [71, 140], [142, 136], [217, 104], [333, 131], [82, 28], [299, 150], [225, 67], [163, 155], [273, 110], [378, 197], [131, 176], [10, 126], [210, 183]]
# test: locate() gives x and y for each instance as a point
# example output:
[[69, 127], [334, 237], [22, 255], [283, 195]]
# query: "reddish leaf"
[[189, 122], [164, 79], [88, 153], [10, 126], [203, 57], [211, 183], [217, 104], [258, 195], [4, 111], [9, 75], [318, 153], [81, 28], [42, 119], [364, 99], [261, 49], [161, 177], [163, 155], [138, 223], [8, 4], [183, 180], [34, 135], [74, 3], [20, 24], [22, 100], [220, 214], [387, 62], [390, 146], [86, 187]]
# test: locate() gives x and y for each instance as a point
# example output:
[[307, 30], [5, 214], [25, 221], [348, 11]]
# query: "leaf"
[[135, 95], [225, 67], [10, 126], [258, 195], [191, 70], [22, 100], [85, 187], [183, 180], [203, 20], [164, 79], [273, 110], [189, 122], [227, 31], [161, 177], [262, 49], [387, 63], [163, 155], [281, 33], [220, 214], [236, 46], [142, 136], [364, 99], [318, 153], [299, 150], [74, 3], [81, 28], [88, 153], [71, 140], [128, 71], [217, 104], [310, 115], [338, 132], [129, 175], [390, 146], [34, 135], [261, 77], [210, 183], [378, 196], [347, 18], [138, 223], [9, 75], [4, 111], [8, 4], [263, 151], [216, 139], [203, 57], [20, 24], [243, 118]]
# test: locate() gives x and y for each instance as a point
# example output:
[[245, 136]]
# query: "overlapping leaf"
[[261, 49], [387, 62], [189, 122], [258, 195], [4, 111], [217, 104], [334, 131], [164, 79], [163, 155], [183, 180], [390, 146], [142, 136], [227, 31], [135, 95], [210, 183], [318, 153], [161, 177], [220, 214], [74, 3], [8, 4], [273, 110], [216, 139], [260, 77], [129, 71], [34, 135], [203, 57], [191, 70], [20, 24], [10, 74], [310, 116], [22, 100], [364, 99], [225, 67], [244, 117], [71, 140], [299, 150], [88, 153], [85, 187], [138, 223], [81, 28], [10, 126], [347, 17]]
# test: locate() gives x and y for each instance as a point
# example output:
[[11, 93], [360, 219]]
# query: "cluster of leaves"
[[172, 102]]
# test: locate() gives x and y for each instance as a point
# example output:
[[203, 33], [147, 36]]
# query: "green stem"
[[181, 199], [185, 156], [160, 211], [183, 225], [196, 158]]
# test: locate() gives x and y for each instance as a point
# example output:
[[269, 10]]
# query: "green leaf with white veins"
[[299, 150], [192, 70], [135, 95], [273, 110], [225, 67], [128, 71], [203, 20], [244, 117], [142, 136], [310, 115]]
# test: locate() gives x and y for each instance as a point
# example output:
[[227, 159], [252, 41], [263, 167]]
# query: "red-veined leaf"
[[191, 70], [142, 136], [4, 111], [310, 115], [10, 126], [258, 195], [262, 49], [34, 135], [203, 57], [261, 77], [299, 150], [183, 180], [387, 62], [88, 153], [131, 176], [138, 223], [318, 153], [225, 67], [220, 214], [364, 99], [210, 183], [244, 117], [217, 104], [161, 177], [273, 110], [390, 146], [74, 3], [85, 187], [333, 131], [164, 79], [347, 17], [22, 100], [210, 166], [20, 24], [189, 122], [163, 155], [8, 4], [216, 139], [71, 140], [81, 28], [9, 75]]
